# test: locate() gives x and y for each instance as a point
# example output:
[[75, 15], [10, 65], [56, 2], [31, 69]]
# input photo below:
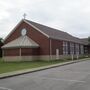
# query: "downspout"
[[50, 49], [20, 53]]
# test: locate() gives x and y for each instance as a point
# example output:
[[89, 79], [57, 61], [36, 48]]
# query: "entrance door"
[[57, 53]]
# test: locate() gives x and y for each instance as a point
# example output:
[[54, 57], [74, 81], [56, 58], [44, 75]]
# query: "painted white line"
[[63, 79], [3, 88], [77, 71]]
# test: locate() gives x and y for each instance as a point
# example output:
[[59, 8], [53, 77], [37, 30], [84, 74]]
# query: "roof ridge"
[[51, 28], [55, 33], [44, 25]]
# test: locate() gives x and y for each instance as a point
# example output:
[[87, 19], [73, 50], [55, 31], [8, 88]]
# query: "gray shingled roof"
[[85, 40], [23, 41], [56, 34]]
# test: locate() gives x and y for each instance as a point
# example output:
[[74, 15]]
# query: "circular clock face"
[[23, 32]]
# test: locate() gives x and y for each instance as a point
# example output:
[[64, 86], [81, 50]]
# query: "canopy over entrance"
[[21, 42]]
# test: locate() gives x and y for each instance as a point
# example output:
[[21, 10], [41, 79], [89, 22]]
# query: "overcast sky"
[[72, 16]]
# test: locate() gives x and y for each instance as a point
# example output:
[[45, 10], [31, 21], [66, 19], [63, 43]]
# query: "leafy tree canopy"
[[1, 40], [89, 39]]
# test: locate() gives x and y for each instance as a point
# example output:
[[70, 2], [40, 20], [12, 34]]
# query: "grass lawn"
[[13, 66]]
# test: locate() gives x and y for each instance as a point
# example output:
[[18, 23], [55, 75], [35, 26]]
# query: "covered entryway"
[[21, 47]]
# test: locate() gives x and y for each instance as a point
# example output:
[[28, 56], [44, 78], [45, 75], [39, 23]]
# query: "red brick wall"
[[57, 44], [15, 34], [35, 35], [29, 51], [11, 52], [24, 52]]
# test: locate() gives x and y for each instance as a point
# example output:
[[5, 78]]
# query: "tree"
[[1, 40], [89, 39], [1, 44]]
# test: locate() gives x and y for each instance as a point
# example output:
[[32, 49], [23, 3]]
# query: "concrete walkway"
[[25, 71]]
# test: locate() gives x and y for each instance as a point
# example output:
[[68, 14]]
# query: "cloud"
[[72, 16]]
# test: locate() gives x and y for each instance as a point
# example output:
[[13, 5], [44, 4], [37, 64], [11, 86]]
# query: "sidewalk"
[[25, 71]]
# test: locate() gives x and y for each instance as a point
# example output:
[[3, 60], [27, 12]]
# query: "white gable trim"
[[36, 28], [13, 29], [28, 24]]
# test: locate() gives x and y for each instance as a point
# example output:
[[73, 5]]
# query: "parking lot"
[[69, 77]]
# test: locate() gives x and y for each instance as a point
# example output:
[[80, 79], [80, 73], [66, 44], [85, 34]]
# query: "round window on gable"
[[23, 32]]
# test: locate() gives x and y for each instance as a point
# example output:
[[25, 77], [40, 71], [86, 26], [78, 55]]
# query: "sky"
[[72, 16]]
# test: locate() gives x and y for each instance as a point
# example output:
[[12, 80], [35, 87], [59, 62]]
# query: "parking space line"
[[3, 88], [63, 79]]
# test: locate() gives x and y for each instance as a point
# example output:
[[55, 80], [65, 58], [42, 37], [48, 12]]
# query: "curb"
[[26, 71]]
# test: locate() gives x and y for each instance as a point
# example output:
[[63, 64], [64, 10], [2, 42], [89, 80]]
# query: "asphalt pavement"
[[69, 77]]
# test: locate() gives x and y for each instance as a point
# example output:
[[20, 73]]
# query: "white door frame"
[[57, 53]]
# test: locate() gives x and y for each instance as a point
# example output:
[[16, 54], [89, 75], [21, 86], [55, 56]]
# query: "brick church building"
[[33, 41]]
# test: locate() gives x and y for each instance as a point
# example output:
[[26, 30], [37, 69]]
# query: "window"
[[65, 48], [82, 49], [77, 48], [23, 32], [71, 48], [86, 50]]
